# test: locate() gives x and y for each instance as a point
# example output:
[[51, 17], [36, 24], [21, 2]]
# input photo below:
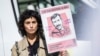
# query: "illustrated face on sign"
[[57, 22]]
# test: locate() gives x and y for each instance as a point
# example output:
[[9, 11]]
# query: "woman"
[[33, 42]]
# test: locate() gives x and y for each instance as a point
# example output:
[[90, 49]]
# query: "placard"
[[58, 27]]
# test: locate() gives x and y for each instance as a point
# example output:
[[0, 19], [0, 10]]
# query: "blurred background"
[[85, 13]]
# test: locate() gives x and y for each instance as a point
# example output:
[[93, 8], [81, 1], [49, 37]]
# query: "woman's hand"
[[63, 53]]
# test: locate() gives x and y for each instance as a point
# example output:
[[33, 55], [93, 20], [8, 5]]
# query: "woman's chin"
[[31, 32]]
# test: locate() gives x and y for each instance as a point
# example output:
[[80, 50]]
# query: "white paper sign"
[[58, 27]]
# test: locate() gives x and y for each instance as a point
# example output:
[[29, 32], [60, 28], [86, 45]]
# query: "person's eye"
[[34, 22], [27, 22]]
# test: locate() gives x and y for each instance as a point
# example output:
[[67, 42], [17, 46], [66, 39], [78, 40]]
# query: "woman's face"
[[31, 25]]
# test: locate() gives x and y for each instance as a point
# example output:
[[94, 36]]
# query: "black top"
[[33, 48]]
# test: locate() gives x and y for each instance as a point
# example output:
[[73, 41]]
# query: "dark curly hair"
[[25, 15]]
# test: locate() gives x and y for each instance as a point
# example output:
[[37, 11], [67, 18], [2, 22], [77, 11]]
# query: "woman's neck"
[[31, 38]]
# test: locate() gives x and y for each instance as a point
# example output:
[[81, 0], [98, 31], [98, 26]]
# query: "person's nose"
[[31, 25]]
